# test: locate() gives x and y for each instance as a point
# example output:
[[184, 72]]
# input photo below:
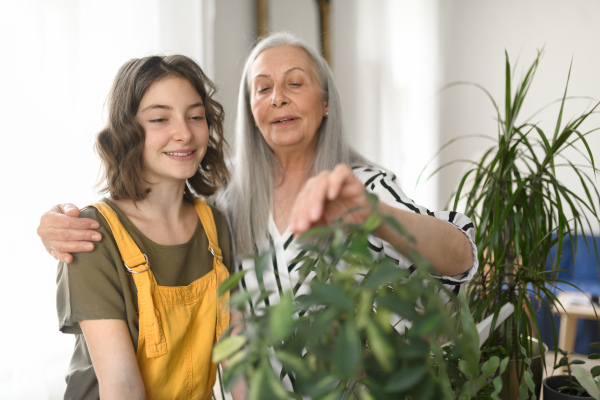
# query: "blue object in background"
[[584, 273]]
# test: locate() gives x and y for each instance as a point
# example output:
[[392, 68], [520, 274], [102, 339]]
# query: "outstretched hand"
[[326, 197], [63, 232]]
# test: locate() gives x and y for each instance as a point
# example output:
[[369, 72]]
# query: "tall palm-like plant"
[[522, 209]]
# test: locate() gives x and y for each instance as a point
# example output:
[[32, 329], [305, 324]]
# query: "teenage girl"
[[144, 303]]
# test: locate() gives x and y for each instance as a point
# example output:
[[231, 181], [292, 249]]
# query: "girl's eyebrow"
[[166, 107]]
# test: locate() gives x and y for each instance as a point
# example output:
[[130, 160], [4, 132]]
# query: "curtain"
[[385, 57]]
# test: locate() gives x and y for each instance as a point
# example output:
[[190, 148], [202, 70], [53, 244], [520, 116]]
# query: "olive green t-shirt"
[[96, 285]]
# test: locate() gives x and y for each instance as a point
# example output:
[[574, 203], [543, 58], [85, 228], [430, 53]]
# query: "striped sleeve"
[[383, 184]]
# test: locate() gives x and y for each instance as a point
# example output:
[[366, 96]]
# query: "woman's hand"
[[330, 194], [326, 197], [63, 232]]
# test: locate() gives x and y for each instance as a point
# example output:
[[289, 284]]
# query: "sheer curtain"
[[58, 61], [386, 59]]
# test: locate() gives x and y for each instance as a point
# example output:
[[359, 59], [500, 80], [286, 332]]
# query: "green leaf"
[[586, 380], [490, 366], [364, 394], [258, 386], [281, 323], [399, 306], [404, 380], [371, 223], [237, 358], [318, 388], [292, 363], [364, 309], [380, 345], [227, 347], [426, 324], [240, 298], [329, 295], [413, 350], [347, 352], [230, 283], [383, 274]]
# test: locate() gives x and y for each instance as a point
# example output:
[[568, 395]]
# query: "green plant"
[[572, 387], [493, 383], [521, 209], [588, 379], [340, 340]]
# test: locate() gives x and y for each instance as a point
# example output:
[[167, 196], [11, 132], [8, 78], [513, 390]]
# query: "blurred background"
[[391, 59]]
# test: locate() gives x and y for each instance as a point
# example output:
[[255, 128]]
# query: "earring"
[[327, 113]]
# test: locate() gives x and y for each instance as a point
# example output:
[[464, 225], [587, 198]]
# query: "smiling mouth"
[[279, 121], [179, 154]]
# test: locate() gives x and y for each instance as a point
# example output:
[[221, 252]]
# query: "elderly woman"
[[294, 170]]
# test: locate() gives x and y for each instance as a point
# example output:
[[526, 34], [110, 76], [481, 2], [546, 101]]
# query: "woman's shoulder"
[[368, 172]]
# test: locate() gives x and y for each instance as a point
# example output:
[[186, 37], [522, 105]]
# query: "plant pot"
[[552, 383], [514, 367]]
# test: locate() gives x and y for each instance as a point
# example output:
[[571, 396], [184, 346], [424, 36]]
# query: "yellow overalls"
[[178, 326]]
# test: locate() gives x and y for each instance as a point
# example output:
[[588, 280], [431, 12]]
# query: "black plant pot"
[[552, 383]]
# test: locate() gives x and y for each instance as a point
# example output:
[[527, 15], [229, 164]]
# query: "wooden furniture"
[[575, 305]]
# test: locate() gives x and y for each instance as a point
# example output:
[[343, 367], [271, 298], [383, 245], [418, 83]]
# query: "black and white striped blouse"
[[282, 274]]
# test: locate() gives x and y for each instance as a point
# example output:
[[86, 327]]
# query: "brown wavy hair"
[[120, 144]]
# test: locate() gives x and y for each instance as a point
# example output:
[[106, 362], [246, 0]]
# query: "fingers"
[[343, 182], [64, 257], [308, 205], [68, 209], [61, 249], [62, 232], [326, 197], [65, 216]]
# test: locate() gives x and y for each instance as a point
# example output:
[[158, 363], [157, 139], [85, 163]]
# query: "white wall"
[[58, 61], [475, 35]]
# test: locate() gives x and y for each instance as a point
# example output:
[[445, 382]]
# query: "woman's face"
[[286, 99], [173, 117]]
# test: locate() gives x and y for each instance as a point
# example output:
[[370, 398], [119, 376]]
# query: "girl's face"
[[173, 117]]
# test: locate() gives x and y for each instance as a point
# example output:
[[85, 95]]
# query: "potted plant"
[[339, 339], [578, 383], [521, 209]]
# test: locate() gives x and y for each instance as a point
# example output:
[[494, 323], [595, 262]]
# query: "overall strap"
[[221, 272], [208, 222], [137, 263], [130, 252]]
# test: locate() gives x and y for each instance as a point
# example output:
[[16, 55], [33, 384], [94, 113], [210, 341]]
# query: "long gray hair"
[[249, 195]]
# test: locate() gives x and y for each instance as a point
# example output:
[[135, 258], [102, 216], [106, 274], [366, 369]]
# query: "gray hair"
[[249, 195]]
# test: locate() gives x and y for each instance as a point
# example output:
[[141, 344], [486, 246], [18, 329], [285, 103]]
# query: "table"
[[575, 305]]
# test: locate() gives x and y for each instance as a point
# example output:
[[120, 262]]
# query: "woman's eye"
[[262, 89], [158, 120], [197, 118]]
